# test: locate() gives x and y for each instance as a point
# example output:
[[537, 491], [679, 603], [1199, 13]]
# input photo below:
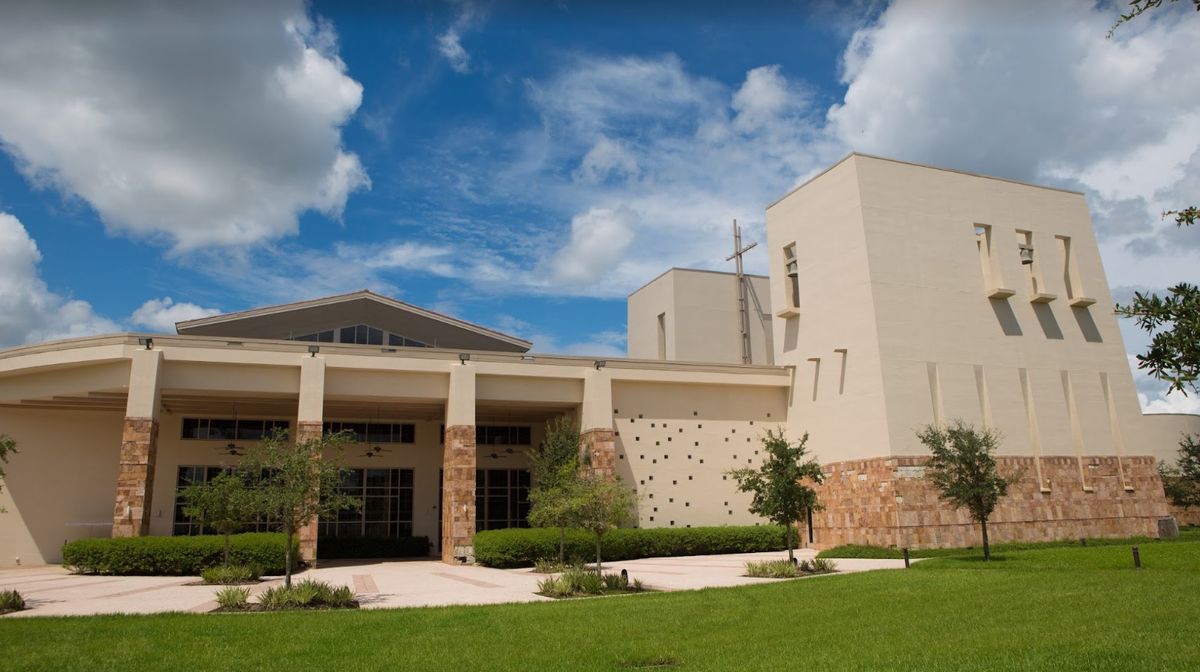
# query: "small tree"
[[554, 466], [8, 446], [963, 469], [780, 493], [601, 503], [224, 503], [298, 482], [1182, 481]]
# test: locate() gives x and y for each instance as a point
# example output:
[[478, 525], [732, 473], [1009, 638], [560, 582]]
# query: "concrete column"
[[139, 447], [310, 416], [458, 467], [598, 445]]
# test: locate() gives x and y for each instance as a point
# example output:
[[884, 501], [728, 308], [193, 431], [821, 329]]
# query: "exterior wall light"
[[313, 350], [1026, 254], [600, 364], [146, 341], [464, 357]]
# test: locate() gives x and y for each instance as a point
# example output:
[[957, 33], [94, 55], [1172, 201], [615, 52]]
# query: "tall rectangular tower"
[[907, 295]]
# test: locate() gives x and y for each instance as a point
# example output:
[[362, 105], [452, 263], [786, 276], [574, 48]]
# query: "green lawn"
[[856, 551], [1050, 609]]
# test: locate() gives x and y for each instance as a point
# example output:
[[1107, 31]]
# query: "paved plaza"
[[53, 591]]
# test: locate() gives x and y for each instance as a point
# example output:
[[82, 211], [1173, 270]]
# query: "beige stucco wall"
[[890, 272], [832, 344], [675, 444], [1161, 433], [701, 316], [61, 485]]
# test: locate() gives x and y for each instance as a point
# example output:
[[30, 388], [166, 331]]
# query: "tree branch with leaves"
[[963, 469], [298, 483], [1181, 481], [8, 446], [780, 487], [225, 503], [554, 466]]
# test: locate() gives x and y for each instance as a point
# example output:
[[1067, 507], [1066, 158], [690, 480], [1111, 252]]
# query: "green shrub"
[[578, 580], [233, 598], [522, 547], [782, 569], [307, 594], [822, 566], [545, 566], [772, 569], [232, 574], [174, 556], [11, 600], [330, 548]]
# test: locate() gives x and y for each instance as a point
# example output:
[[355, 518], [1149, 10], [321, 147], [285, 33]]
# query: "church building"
[[898, 295]]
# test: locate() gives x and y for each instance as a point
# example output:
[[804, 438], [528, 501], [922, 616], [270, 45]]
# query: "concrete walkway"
[[52, 591]]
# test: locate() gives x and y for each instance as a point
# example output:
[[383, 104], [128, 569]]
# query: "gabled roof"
[[362, 307]]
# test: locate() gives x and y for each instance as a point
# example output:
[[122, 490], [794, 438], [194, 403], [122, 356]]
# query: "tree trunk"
[[791, 556], [562, 546], [598, 554], [287, 560], [987, 551], [227, 549]]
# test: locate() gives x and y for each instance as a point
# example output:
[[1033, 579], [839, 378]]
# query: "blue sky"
[[525, 165]]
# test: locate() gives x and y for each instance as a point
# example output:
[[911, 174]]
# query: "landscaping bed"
[[580, 581], [785, 569], [302, 595]]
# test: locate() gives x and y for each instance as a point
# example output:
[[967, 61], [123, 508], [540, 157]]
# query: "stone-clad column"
[[309, 425], [458, 467], [598, 445], [139, 447]]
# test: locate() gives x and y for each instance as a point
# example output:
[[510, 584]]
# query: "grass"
[[1046, 609], [880, 552]]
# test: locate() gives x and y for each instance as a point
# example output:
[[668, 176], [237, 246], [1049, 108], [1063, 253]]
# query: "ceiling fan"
[[232, 448], [497, 456], [376, 451]]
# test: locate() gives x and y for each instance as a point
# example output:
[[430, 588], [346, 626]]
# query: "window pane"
[[325, 336], [379, 433], [374, 336], [347, 335], [393, 339], [360, 334], [249, 430], [407, 433], [191, 428], [222, 429]]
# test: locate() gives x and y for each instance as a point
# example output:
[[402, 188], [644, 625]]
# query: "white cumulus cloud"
[[29, 311], [193, 124], [160, 315]]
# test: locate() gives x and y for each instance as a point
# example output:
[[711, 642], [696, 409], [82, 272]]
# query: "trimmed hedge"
[[176, 556], [329, 548], [520, 547]]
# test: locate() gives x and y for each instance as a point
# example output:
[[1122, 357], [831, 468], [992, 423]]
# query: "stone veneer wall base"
[[599, 450], [135, 477], [307, 430], [458, 494], [888, 502]]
